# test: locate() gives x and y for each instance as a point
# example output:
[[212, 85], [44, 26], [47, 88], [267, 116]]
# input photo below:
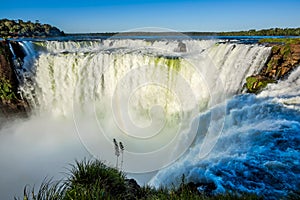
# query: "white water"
[[258, 151], [92, 69], [147, 95]]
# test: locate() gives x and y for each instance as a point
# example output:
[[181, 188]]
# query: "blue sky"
[[189, 15]]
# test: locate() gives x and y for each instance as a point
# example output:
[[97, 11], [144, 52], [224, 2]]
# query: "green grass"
[[93, 180], [280, 40]]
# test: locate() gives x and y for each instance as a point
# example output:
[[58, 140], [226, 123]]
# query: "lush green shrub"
[[95, 180]]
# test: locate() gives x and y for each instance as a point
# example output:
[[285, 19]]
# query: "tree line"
[[264, 32], [20, 28]]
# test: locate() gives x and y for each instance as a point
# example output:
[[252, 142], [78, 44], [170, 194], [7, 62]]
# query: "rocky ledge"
[[284, 57]]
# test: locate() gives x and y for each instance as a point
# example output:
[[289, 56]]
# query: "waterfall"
[[12, 50], [91, 70], [176, 105], [147, 94]]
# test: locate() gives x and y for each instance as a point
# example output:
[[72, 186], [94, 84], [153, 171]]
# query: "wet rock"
[[11, 103], [198, 188], [133, 189], [181, 47]]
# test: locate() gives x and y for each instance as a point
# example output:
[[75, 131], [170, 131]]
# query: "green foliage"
[[19, 28], [280, 40], [93, 180], [286, 51], [250, 82], [265, 32], [6, 91], [49, 190], [273, 62], [255, 84]]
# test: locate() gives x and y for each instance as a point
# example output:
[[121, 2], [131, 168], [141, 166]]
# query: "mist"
[[34, 149]]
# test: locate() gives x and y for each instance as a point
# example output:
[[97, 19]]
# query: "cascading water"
[[164, 99], [91, 70], [140, 92], [258, 151]]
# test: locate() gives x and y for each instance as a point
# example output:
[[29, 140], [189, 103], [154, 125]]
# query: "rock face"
[[283, 59], [11, 103], [6, 72]]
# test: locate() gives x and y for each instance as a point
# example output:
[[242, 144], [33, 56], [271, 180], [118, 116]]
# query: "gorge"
[[178, 105]]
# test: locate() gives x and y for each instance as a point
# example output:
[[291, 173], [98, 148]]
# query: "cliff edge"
[[11, 103], [284, 58]]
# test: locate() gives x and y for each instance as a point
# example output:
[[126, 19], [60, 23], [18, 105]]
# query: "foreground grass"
[[91, 180]]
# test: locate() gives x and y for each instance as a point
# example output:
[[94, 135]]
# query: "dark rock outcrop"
[[133, 189], [181, 47], [198, 188], [11, 103]]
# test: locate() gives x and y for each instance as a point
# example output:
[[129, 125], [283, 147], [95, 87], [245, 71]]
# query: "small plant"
[[117, 152], [122, 154], [6, 91]]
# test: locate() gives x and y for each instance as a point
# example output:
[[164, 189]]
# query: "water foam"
[[258, 150]]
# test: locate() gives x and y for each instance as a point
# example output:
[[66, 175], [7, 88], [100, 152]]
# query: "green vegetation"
[[255, 83], [6, 91], [265, 32], [94, 180], [19, 28], [280, 40]]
